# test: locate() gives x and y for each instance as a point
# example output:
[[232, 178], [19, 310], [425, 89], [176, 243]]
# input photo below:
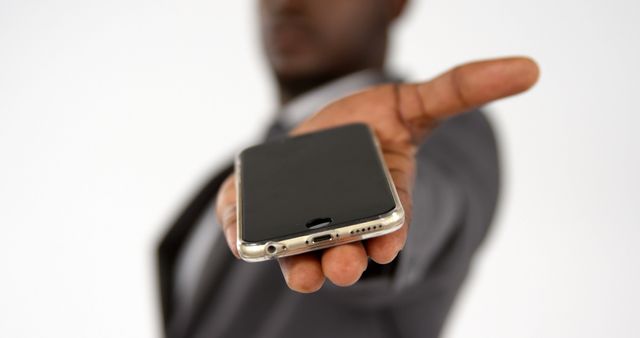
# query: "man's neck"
[[307, 103], [289, 89]]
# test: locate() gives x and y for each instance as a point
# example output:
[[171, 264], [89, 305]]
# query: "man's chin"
[[295, 69], [293, 82], [301, 73]]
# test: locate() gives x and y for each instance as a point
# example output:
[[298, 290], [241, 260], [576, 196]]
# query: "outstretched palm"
[[401, 116]]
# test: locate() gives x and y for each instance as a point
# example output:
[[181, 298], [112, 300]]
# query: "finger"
[[230, 230], [344, 264], [462, 88], [401, 164], [384, 249], [303, 273], [226, 212]]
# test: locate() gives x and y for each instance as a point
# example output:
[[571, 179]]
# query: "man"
[[446, 176]]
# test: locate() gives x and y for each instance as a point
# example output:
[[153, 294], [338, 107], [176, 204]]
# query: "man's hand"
[[401, 115]]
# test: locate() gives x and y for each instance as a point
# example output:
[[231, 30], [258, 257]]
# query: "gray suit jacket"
[[454, 199]]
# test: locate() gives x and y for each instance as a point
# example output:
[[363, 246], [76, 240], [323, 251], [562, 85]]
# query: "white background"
[[113, 112]]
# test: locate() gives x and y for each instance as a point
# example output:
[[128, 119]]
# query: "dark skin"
[[310, 42], [401, 116]]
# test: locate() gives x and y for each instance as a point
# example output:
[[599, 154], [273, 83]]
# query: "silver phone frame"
[[266, 250]]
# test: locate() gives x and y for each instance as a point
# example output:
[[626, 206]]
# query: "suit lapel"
[[175, 237]]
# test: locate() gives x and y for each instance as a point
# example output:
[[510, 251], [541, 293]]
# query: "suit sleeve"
[[454, 199]]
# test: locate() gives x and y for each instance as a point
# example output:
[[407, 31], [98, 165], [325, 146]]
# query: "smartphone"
[[313, 191]]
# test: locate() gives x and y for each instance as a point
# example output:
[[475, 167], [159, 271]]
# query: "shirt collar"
[[303, 106]]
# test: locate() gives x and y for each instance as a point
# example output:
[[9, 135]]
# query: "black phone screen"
[[326, 179]]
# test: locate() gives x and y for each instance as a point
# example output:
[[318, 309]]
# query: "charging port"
[[322, 238]]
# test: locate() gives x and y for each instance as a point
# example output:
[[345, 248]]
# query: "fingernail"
[[394, 257]]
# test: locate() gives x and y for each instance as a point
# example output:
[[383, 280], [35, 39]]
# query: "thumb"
[[464, 87]]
